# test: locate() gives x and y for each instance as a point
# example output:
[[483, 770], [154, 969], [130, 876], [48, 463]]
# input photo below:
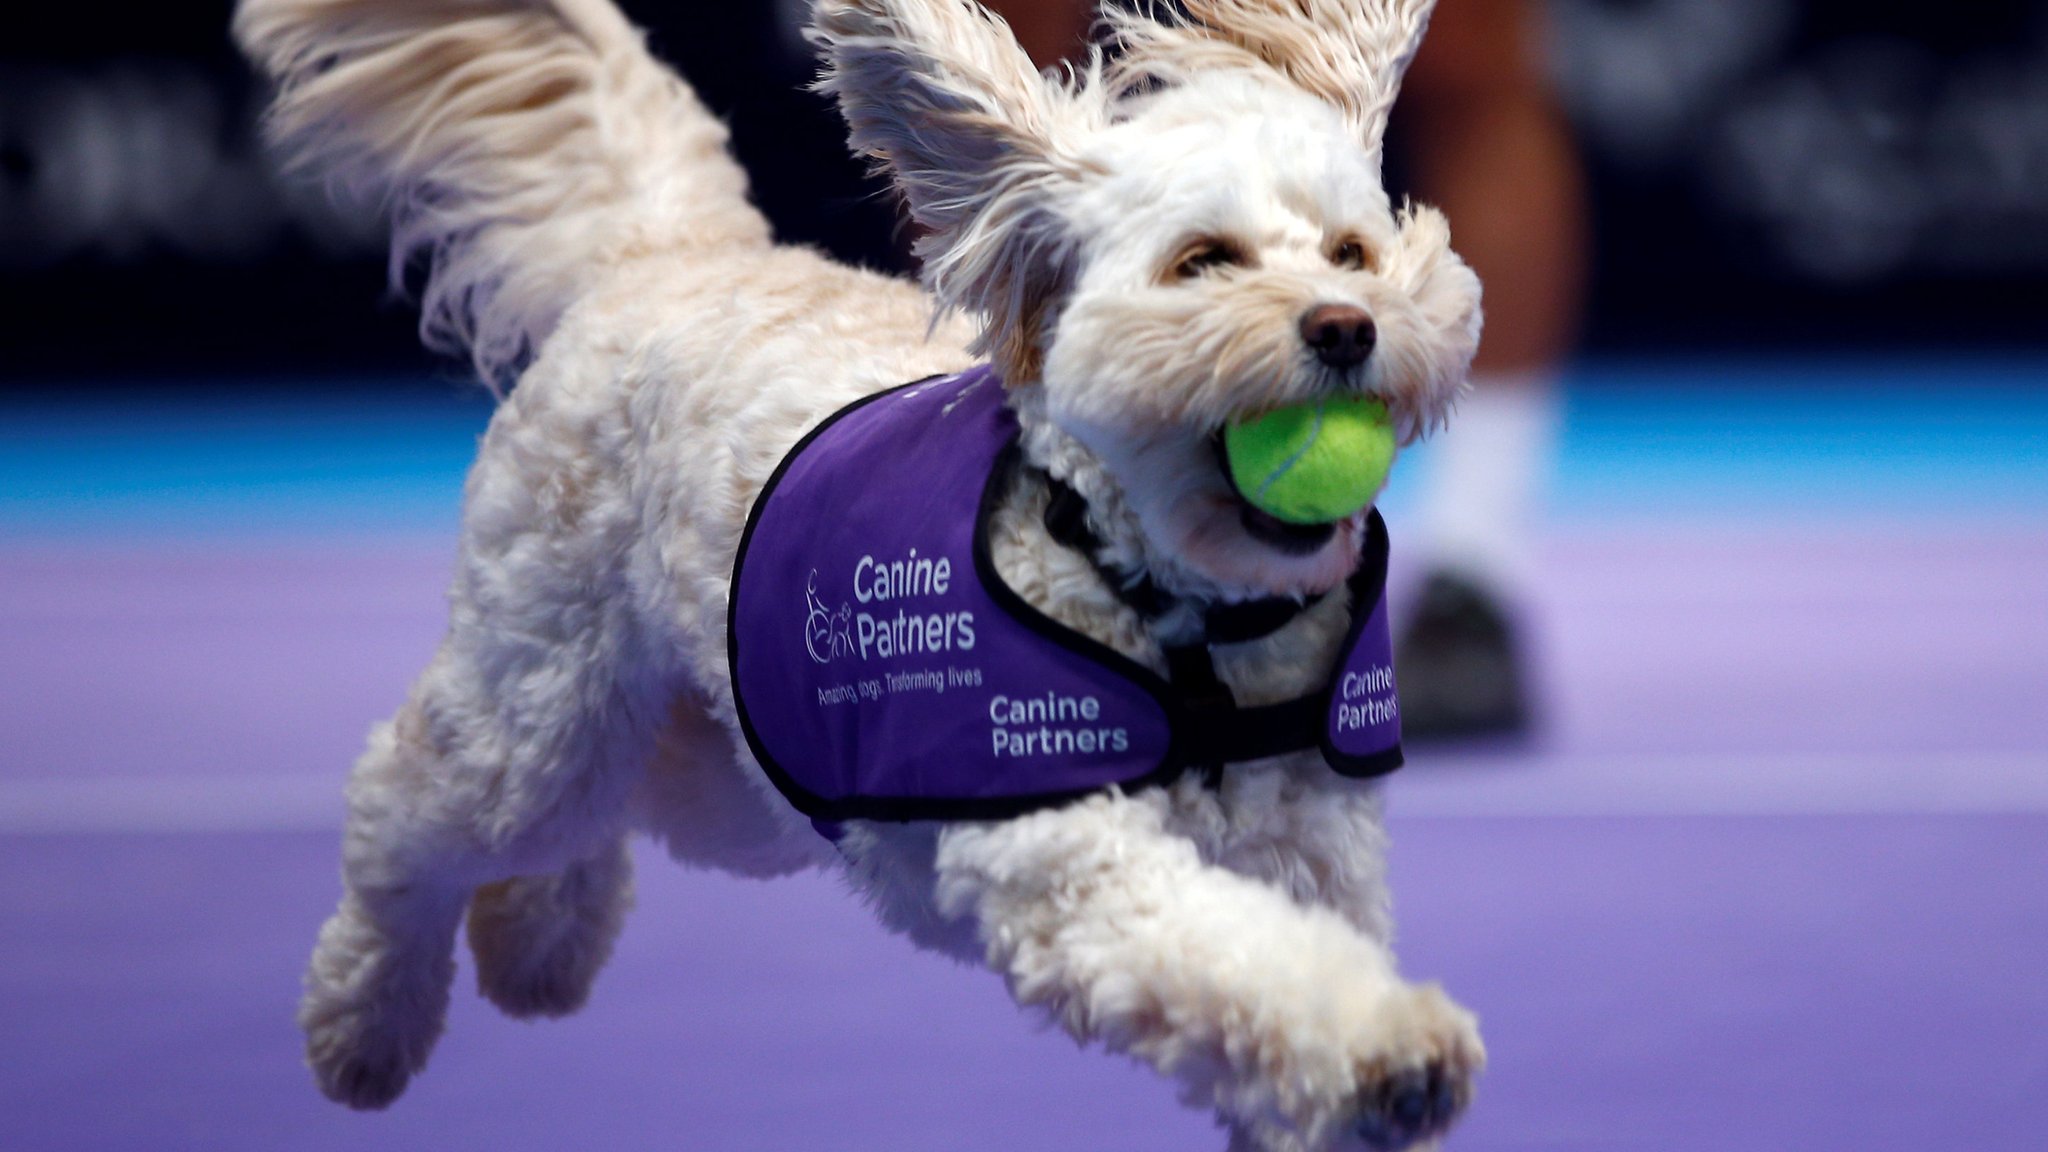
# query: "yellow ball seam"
[[1273, 477]]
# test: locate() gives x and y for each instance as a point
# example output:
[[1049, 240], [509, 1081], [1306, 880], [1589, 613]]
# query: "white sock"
[[1487, 479]]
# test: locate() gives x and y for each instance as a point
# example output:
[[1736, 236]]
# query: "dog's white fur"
[[588, 236]]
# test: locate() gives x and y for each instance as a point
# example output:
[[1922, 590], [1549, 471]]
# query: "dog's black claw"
[[1443, 1097], [1409, 1104], [367, 1087]]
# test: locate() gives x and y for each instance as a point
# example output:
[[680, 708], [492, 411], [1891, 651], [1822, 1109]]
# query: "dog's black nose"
[[1340, 335]]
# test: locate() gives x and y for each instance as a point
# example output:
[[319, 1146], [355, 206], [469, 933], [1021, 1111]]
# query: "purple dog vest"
[[883, 671]]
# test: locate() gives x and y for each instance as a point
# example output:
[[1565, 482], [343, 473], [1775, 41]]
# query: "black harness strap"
[[1066, 519], [1192, 672], [1215, 728]]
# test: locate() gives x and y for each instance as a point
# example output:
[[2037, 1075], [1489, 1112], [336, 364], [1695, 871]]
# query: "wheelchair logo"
[[828, 635]]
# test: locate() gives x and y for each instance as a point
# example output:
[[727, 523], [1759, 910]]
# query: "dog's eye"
[[1351, 254], [1205, 256]]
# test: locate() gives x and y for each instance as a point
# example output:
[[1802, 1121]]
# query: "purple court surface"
[[1772, 877]]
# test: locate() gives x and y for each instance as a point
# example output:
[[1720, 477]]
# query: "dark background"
[[1768, 175]]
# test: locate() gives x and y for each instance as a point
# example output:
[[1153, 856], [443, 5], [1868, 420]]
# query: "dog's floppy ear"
[[1349, 53], [940, 93]]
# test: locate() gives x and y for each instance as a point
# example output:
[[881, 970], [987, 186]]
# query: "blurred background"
[[1763, 868], [1766, 175]]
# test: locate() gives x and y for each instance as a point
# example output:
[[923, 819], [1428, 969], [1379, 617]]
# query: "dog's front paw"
[[1420, 1080], [1404, 1109]]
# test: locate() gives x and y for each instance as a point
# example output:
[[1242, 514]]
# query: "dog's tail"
[[522, 147]]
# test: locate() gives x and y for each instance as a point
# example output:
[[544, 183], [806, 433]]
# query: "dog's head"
[[1188, 231]]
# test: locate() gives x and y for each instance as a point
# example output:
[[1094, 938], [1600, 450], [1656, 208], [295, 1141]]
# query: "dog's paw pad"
[[537, 992], [365, 1058], [366, 1083], [1411, 1106], [1421, 1081]]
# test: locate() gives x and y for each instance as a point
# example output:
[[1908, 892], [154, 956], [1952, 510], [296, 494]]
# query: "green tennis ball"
[[1312, 463]]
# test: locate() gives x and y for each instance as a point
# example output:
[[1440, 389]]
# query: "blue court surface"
[[1772, 877]]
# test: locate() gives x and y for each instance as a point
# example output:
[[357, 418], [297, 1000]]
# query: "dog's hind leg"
[[447, 801], [377, 987], [540, 940], [516, 755]]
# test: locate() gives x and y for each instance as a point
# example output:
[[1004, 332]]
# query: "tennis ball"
[[1312, 463]]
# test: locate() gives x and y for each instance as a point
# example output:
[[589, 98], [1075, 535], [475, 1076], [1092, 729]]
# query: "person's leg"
[[1493, 151]]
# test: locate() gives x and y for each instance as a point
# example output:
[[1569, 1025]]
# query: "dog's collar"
[[1066, 519]]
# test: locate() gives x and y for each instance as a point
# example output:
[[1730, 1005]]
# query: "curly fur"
[[521, 147], [584, 231]]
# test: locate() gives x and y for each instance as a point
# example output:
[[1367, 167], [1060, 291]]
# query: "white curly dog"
[[1145, 248]]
